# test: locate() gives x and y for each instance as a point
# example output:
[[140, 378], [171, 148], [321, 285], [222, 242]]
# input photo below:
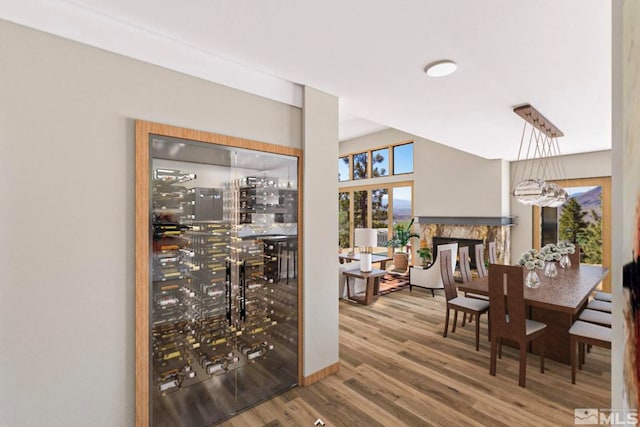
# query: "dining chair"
[[514, 326], [600, 306], [575, 257], [464, 263], [480, 267], [603, 296], [493, 253], [582, 333], [598, 317], [457, 303]]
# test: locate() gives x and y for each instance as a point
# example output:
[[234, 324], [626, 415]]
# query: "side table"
[[372, 281]]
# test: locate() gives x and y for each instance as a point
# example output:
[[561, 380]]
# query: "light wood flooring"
[[397, 370]]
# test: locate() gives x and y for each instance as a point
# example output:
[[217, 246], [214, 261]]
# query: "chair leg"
[[499, 347], [572, 355], [522, 377], [477, 336], [580, 355], [455, 320], [446, 324], [494, 348], [488, 326], [464, 319], [433, 294]]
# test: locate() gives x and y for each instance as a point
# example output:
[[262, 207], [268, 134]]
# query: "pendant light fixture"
[[540, 162]]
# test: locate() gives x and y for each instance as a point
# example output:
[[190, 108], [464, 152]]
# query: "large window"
[[374, 206], [377, 162], [403, 159], [585, 219]]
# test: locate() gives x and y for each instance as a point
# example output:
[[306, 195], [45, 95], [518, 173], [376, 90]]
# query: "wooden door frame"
[[605, 183], [143, 130]]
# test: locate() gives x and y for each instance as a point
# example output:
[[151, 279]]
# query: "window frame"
[[412, 158]]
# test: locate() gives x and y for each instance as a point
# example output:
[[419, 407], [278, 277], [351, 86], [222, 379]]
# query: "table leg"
[[368, 299]]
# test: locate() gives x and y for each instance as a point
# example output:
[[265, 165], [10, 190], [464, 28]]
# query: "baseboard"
[[323, 373]]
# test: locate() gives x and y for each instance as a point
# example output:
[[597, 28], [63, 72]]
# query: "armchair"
[[431, 277]]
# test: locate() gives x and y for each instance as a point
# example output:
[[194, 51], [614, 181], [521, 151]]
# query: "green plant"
[[402, 235], [425, 253]]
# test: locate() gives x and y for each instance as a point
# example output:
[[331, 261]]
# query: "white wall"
[[320, 230], [67, 216], [447, 182], [586, 165]]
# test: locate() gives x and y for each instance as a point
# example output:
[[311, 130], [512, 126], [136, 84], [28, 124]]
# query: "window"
[[343, 219], [380, 163], [376, 163], [360, 209], [360, 166], [370, 207], [343, 169], [578, 221], [584, 219], [403, 159]]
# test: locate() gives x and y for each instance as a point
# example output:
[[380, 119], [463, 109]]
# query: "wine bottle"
[[172, 175]]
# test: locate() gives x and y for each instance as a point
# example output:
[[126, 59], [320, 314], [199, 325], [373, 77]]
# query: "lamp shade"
[[366, 237]]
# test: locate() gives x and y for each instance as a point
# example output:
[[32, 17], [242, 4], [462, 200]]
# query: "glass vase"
[[565, 261], [532, 280], [550, 269]]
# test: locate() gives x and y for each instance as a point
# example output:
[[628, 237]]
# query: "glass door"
[[223, 282]]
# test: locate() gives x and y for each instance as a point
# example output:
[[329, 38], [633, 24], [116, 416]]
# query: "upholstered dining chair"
[[457, 303], [464, 264], [582, 333], [603, 296], [514, 326]]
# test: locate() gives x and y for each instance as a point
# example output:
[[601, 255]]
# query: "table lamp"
[[366, 239]]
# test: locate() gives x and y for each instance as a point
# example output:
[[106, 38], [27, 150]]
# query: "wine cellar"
[[223, 280]]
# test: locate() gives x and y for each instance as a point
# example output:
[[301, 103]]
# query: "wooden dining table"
[[557, 302]]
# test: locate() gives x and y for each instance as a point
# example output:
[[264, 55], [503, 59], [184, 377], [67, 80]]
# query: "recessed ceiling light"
[[441, 68]]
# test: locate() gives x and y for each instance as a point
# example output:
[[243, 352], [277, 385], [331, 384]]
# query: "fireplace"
[[471, 243]]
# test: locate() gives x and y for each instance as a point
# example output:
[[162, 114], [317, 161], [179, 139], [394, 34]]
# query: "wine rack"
[[171, 336]]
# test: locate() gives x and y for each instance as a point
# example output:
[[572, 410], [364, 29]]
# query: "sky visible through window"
[[403, 158]]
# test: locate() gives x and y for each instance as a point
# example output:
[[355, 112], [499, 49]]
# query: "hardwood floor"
[[397, 370]]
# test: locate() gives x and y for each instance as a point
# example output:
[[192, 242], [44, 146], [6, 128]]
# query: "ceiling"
[[555, 55]]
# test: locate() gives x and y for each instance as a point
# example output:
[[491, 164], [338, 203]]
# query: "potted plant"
[[402, 234], [425, 253]]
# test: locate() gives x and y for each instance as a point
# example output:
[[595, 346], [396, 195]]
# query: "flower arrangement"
[[566, 247], [531, 259], [550, 252]]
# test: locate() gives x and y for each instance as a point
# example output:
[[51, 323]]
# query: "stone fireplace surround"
[[487, 229]]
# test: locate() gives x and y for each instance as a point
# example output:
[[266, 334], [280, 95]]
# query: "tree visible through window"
[[360, 166], [580, 221], [380, 163]]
